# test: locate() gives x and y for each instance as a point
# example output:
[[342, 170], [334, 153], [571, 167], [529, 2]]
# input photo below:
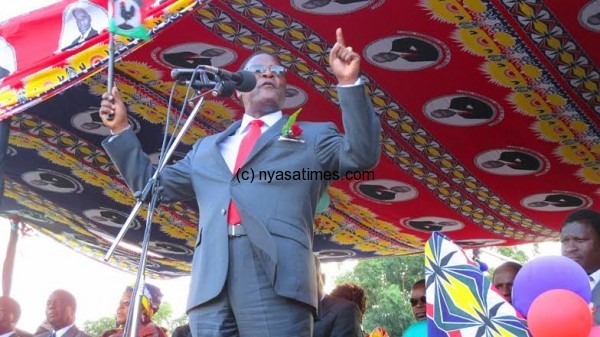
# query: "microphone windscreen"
[[175, 74], [248, 82], [227, 89]]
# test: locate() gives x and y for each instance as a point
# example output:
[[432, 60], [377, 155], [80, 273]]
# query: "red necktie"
[[233, 217]]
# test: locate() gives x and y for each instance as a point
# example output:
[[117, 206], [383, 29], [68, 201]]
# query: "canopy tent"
[[489, 112]]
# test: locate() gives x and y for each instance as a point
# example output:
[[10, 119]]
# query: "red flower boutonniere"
[[295, 131], [291, 130]]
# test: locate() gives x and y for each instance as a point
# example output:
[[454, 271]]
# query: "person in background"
[[60, 315], [354, 293], [151, 300], [504, 277], [182, 331], [337, 317], [418, 300], [580, 241], [10, 312]]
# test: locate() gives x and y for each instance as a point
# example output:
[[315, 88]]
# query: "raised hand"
[[344, 62], [113, 104]]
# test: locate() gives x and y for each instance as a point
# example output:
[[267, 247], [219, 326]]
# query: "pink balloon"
[[595, 331], [559, 313]]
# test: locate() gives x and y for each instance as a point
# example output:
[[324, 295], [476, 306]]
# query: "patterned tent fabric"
[[461, 302], [489, 112]]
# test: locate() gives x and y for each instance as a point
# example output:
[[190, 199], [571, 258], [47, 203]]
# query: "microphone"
[[220, 89], [244, 80]]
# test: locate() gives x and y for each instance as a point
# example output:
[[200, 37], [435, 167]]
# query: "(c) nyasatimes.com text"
[[301, 175]]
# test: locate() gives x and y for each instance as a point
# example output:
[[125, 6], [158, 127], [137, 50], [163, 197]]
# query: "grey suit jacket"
[[596, 301], [277, 215], [72, 332]]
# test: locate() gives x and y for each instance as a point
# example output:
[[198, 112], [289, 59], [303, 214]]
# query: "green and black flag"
[[126, 19]]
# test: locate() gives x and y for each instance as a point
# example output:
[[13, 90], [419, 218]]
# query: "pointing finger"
[[340, 37]]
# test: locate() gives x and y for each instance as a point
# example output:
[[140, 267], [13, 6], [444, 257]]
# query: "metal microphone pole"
[[143, 195], [134, 312], [153, 185]]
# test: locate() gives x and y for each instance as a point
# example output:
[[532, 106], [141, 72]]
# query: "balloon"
[[559, 313], [595, 331], [548, 273], [418, 329], [482, 265]]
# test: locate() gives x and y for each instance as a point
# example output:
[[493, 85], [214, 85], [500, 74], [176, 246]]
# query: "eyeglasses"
[[276, 69], [415, 301]]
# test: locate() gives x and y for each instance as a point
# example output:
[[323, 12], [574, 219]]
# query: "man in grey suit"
[[580, 241], [60, 314], [253, 272]]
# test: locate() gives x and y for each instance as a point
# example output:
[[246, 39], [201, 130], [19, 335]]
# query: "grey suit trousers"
[[248, 305]]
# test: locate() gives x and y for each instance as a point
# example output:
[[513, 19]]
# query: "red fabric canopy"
[[489, 113]]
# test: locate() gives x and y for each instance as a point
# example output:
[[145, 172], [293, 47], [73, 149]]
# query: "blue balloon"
[[548, 273], [417, 329], [482, 266]]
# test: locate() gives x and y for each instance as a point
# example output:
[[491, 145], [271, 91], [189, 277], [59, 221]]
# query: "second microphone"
[[244, 81]]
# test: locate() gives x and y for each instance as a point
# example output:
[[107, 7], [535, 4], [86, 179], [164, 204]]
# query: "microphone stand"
[[153, 185]]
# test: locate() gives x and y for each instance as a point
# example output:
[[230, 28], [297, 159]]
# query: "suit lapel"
[[72, 332], [266, 138], [220, 137]]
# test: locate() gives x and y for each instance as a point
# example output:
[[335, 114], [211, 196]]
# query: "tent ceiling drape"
[[489, 112]]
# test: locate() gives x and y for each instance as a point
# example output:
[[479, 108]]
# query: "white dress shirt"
[[85, 35], [8, 334], [230, 146], [62, 331], [594, 278]]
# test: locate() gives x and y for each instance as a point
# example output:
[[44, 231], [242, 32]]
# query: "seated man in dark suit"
[[337, 317], [60, 314], [10, 312]]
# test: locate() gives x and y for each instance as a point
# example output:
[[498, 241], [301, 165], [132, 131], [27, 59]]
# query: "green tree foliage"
[[162, 318], [513, 252], [387, 282], [97, 327]]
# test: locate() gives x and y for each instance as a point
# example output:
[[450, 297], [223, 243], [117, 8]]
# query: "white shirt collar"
[[86, 34], [269, 120], [62, 331], [596, 278], [7, 334]]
